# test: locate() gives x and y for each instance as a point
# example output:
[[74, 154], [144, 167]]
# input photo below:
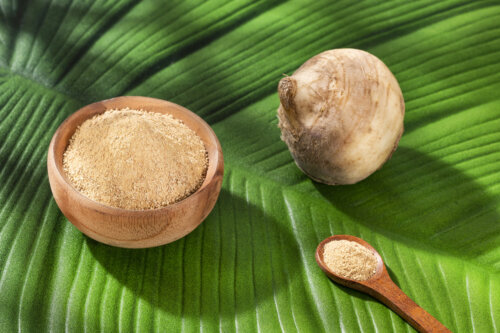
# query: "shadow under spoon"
[[381, 287]]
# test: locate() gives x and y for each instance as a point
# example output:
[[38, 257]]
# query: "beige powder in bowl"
[[134, 159], [349, 259]]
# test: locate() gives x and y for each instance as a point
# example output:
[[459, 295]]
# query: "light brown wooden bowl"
[[135, 228]]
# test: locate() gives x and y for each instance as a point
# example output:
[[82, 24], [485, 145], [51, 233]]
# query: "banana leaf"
[[432, 211]]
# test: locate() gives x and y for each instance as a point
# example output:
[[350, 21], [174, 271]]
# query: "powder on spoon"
[[135, 159], [349, 259]]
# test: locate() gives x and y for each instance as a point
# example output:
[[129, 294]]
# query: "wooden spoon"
[[381, 287]]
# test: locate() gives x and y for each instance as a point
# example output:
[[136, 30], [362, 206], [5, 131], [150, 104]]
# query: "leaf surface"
[[432, 211]]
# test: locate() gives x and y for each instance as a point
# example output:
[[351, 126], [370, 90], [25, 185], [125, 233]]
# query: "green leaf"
[[432, 211]]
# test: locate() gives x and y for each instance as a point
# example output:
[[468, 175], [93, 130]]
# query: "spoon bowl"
[[135, 228], [381, 287], [354, 284]]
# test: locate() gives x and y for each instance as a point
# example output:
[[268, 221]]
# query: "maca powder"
[[350, 259], [134, 159]]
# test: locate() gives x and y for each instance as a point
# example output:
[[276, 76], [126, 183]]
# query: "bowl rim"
[[215, 165]]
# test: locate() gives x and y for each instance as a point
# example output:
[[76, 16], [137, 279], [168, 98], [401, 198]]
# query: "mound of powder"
[[135, 159], [349, 259]]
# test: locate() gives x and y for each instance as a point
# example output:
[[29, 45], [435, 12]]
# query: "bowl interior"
[[194, 122]]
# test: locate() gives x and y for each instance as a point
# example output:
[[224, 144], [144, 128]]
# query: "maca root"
[[341, 115]]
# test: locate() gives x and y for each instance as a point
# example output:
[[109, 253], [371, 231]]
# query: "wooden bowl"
[[135, 228]]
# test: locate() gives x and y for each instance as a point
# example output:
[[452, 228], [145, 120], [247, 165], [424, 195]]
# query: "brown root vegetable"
[[341, 115]]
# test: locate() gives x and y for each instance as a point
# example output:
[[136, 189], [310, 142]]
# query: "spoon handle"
[[386, 291]]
